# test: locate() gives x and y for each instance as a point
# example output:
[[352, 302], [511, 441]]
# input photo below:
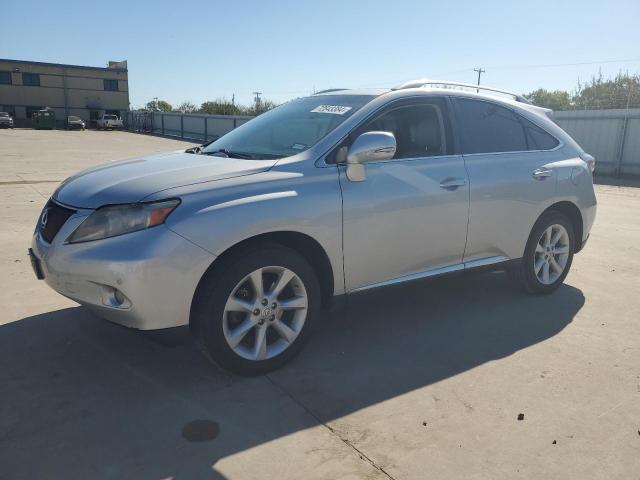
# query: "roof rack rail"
[[422, 82], [329, 90]]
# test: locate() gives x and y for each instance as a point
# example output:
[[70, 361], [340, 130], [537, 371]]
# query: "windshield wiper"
[[223, 152]]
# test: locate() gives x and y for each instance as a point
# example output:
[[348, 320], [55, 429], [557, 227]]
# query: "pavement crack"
[[360, 453], [27, 182]]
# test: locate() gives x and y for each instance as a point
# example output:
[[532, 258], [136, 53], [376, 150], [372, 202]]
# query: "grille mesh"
[[56, 216]]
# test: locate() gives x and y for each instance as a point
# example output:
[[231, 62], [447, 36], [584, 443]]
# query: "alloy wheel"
[[551, 255], [265, 313]]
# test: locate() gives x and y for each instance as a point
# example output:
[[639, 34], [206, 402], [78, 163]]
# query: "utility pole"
[[480, 72], [257, 107], [155, 102]]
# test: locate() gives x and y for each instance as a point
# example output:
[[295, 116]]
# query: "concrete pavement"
[[418, 381]]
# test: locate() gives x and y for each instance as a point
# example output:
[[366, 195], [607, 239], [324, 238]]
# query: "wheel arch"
[[302, 243], [572, 211]]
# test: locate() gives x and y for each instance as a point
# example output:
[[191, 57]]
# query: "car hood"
[[129, 181]]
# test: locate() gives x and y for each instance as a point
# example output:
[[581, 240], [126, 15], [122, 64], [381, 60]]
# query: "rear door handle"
[[542, 173], [453, 183]]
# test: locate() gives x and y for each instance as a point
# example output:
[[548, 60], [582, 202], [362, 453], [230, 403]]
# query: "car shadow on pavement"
[[83, 398]]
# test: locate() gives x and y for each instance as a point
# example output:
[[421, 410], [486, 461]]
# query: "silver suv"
[[245, 239]]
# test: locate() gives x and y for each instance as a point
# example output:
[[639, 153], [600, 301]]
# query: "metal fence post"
[[206, 128], [623, 138], [162, 122], [181, 125]]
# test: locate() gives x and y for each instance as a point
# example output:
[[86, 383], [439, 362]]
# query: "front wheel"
[[252, 313], [548, 255]]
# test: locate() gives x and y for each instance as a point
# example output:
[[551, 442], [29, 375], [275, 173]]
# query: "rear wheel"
[[548, 255], [252, 313]]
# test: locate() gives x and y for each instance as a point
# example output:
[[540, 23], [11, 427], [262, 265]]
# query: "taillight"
[[589, 160]]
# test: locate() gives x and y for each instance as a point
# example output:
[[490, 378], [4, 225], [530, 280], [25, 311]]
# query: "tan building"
[[86, 92]]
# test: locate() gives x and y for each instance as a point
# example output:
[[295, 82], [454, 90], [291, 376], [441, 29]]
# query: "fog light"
[[119, 297], [112, 297]]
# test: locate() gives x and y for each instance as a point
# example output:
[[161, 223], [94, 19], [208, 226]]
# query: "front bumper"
[[156, 270]]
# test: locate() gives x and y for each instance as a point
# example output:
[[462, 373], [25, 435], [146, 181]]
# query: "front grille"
[[52, 219]]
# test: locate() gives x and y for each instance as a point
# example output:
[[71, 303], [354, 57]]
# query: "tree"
[[260, 107], [618, 92], [159, 105], [187, 107], [622, 91], [220, 106], [555, 100]]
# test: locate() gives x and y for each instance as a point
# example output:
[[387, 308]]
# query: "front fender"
[[234, 210]]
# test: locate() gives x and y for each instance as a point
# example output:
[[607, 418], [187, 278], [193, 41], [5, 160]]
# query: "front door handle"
[[453, 183], [542, 173]]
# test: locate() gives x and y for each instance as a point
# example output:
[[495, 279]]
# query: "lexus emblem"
[[45, 218]]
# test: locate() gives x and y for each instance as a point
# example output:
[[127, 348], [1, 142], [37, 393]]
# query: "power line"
[[548, 65]]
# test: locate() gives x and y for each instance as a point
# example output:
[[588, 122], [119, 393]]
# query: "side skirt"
[[491, 263]]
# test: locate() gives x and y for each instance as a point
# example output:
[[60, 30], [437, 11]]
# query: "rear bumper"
[[156, 270]]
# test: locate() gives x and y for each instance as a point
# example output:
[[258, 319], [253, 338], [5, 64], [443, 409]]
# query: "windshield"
[[74, 119], [110, 117], [4, 114], [290, 128]]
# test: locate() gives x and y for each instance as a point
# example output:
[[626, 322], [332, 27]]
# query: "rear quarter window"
[[537, 138]]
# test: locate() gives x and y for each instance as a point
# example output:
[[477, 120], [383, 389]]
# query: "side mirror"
[[369, 147]]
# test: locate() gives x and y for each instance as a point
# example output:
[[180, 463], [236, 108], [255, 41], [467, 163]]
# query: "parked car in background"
[[109, 122], [337, 193], [74, 123], [6, 120]]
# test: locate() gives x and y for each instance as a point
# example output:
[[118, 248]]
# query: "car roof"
[[374, 92], [444, 88]]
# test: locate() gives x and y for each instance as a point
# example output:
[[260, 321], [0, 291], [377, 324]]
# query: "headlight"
[[114, 220]]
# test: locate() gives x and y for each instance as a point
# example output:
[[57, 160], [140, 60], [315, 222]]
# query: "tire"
[[216, 319], [525, 272]]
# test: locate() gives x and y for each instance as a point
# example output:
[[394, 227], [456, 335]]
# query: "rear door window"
[[485, 127]]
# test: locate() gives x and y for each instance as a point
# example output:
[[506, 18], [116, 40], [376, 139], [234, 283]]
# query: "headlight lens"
[[116, 220]]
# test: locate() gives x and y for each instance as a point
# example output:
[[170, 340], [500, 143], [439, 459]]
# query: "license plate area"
[[36, 265]]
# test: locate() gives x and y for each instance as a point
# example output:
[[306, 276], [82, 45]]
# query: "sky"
[[203, 50]]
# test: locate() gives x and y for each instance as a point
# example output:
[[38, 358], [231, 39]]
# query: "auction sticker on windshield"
[[335, 109]]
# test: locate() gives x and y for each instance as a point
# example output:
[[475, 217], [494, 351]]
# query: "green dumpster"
[[44, 119]]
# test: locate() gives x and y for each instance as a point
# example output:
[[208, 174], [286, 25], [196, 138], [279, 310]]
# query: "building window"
[[5, 78], [31, 79], [30, 110], [111, 85]]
